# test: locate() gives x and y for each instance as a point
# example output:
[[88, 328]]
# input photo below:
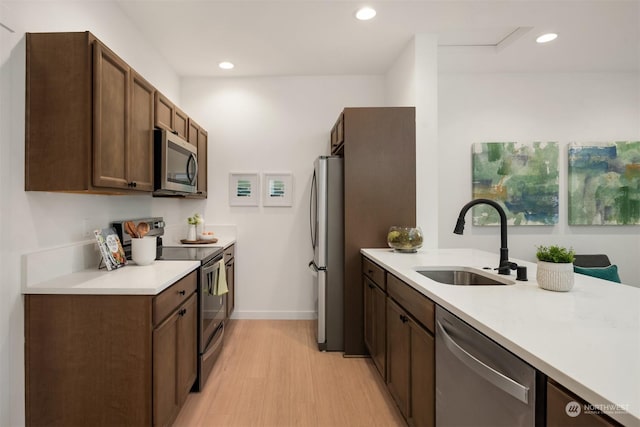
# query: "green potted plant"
[[555, 268]]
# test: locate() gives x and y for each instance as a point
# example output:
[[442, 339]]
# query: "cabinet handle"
[[404, 318], [370, 286], [182, 312], [370, 271], [182, 292]]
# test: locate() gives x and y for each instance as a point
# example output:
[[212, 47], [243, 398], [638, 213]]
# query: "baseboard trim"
[[274, 315]]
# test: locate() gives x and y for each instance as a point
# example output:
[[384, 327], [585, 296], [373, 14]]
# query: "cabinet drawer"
[[229, 253], [173, 296], [374, 272], [416, 304]]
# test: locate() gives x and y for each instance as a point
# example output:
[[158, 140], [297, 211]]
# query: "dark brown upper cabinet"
[[170, 117], [89, 118]]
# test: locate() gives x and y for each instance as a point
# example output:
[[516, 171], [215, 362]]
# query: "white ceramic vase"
[[191, 234], [555, 276]]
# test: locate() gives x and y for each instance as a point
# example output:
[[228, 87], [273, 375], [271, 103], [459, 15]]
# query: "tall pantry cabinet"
[[379, 150]]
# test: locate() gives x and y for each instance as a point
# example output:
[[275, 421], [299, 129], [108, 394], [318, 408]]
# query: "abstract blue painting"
[[604, 183], [521, 177]]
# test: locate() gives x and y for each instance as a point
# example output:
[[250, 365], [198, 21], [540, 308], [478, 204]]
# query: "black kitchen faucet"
[[505, 266]]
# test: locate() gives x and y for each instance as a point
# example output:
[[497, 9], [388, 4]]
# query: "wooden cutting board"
[[198, 242]]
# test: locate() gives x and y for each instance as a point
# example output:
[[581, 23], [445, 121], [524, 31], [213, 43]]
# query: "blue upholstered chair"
[[596, 265]]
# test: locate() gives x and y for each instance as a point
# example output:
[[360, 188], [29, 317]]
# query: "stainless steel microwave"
[[176, 164]]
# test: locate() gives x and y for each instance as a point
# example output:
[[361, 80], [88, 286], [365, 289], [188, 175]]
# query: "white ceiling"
[[322, 37]]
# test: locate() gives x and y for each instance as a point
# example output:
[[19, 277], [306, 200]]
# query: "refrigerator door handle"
[[314, 267], [313, 206]]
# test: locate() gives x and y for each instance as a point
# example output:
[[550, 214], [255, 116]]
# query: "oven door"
[[212, 307]]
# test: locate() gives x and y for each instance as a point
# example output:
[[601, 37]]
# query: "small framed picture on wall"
[[244, 189], [278, 189]]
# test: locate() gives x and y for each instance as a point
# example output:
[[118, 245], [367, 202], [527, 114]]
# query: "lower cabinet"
[[107, 360], [398, 356], [375, 300], [564, 409], [399, 334], [423, 378], [410, 366], [174, 361]]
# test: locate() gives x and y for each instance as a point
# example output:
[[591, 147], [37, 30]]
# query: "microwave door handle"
[[192, 158]]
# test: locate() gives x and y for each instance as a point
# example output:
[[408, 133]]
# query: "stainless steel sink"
[[463, 276]]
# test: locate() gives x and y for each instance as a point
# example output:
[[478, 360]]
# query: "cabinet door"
[[165, 362], [231, 295], [193, 131], [111, 118], [561, 403], [140, 153], [180, 123], [422, 408], [163, 112], [380, 330], [368, 314], [375, 324], [187, 345], [398, 339], [203, 138]]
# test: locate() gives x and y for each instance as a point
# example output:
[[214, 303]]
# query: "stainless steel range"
[[211, 313]]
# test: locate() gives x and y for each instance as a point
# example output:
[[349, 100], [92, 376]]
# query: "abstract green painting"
[[521, 177], [604, 183]]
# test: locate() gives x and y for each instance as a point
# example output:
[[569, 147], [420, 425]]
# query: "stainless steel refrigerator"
[[326, 220]]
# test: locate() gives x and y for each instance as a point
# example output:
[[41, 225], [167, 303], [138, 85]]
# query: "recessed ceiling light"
[[225, 65], [365, 13], [545, 38]]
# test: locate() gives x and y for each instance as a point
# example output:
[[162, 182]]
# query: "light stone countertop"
[[131, 279], [587, 339]]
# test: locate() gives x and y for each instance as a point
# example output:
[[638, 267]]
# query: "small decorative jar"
[[405, 239], [555, 276]]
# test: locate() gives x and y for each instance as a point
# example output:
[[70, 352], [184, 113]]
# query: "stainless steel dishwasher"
[[479, 383]]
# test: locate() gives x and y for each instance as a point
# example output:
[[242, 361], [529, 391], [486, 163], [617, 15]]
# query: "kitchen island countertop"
[[587, 339]]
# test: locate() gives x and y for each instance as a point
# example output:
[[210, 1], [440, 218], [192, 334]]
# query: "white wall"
[[271, 125], [400, 79], [412, 80], [535, 107], [29, 221]]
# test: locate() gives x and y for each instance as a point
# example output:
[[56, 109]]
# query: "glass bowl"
[[405, 239]]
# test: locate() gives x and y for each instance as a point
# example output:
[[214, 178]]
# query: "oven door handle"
[[206, 272], [496, 378], [218, 343]]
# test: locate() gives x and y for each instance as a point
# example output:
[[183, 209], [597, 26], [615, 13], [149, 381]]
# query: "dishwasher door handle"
[[496, 378]]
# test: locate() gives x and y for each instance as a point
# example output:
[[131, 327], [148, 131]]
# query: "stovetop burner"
[[188, 253]]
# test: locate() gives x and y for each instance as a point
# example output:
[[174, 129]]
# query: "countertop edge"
[[80, 280]]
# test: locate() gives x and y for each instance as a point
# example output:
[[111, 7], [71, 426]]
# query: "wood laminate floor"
[[270, 373]]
